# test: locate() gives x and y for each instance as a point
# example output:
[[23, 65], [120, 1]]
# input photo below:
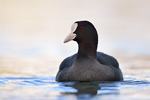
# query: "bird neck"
[[87, 50]]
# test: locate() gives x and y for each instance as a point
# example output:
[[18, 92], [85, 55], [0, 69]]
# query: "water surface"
[[45, 88]]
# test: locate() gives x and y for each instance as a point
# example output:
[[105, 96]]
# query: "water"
[[34, 79], [45, 88]]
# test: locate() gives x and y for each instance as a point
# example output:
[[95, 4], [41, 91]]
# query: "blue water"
[[46, 88]]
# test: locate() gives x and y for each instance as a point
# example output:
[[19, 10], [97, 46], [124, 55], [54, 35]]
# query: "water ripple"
[[47, 88]]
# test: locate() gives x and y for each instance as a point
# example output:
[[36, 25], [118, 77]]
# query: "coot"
[[87, 64]]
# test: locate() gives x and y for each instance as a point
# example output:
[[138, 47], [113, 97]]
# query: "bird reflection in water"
[[87, 90]]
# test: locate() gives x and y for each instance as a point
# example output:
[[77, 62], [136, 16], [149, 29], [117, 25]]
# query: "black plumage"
[[88, 64]]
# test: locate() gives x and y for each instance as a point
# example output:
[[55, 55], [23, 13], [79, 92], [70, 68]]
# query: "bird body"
[[87, 64]]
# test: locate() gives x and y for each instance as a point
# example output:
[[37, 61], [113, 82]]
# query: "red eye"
[[81, 28]]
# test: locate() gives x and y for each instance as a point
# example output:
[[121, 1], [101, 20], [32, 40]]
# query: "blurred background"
[[32, 33]]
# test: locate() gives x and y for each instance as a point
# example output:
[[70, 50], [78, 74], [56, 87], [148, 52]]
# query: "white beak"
[[70, 37]]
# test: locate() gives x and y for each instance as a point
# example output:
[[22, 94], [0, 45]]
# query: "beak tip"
[[65, 41]]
